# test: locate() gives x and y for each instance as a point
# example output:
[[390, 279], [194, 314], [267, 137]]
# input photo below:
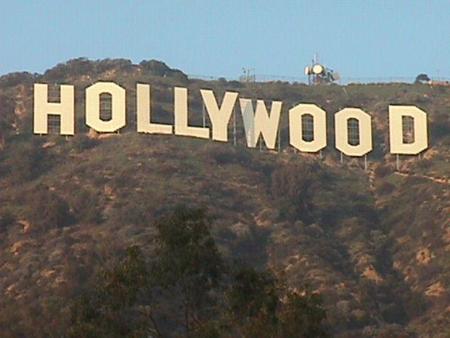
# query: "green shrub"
[[82, 142], [227, 154], [28, 161], [85, 206], [382, 171], [6, 218], [292, 187], [47, 210]]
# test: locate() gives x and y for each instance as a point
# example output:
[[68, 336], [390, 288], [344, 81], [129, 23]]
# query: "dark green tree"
[[262, 306], [293, 186], [422, 78], [118, 305], [185, 289], [188, 263], [302, 316], [252, 301], [47, 209]]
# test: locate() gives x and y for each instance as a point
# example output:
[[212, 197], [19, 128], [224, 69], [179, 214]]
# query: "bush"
[[28, 161], [226, 154], [7, 116], [85, 207], [158, 68], [82, 142], [17, 78], [385, 188], [47, 210], [424, 163], [382, 171], [292, 187], [6, 219]]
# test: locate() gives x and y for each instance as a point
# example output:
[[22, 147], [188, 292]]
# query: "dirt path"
[[439, 180]]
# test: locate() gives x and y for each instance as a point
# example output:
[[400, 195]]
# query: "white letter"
[[144, 124], [260, 122], [319, 128], [181, 116], [93, 119], [65, 109], [396, 114], [219, 116], [365, 132]]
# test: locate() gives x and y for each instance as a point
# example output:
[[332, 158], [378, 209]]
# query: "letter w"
[[260, 122]]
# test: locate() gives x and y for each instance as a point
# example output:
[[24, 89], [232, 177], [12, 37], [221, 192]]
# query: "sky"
[[359, 39]]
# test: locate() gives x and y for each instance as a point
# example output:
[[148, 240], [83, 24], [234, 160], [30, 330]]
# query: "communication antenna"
[[319, 74], [308, 73], [248, 75], [317, 69]]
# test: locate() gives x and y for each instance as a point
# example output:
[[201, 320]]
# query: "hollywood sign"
[[258, 122]]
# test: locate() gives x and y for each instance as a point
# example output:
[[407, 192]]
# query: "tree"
[[252, 301], [293, 186], [187, 269], [7, 117], [188, 263], [114, 308], [302, 316], [422, 78], [27, 161], [6, 219], [48, 210], [187, 289], [262, 306]]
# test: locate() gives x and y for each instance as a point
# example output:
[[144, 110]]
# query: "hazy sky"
[[360, 39]]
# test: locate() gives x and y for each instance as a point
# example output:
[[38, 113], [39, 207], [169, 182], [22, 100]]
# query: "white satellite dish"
[[307, 70], [317, 69]]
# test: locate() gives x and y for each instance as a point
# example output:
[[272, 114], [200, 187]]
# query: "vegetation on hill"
[[268, 244], [186, 288]]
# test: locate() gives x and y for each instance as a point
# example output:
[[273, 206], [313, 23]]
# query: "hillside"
[[375, 244]]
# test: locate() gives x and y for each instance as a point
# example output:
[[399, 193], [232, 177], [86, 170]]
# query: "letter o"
[[341, 132], [118, 116], [296, 130]]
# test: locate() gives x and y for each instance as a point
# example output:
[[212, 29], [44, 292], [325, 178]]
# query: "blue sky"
[[360, 39]]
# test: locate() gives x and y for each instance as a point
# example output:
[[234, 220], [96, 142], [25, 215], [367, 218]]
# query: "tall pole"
[[203, 115], [234, 126], [279, 140]]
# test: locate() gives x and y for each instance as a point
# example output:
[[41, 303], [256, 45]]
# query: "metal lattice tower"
[[248, 75]]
